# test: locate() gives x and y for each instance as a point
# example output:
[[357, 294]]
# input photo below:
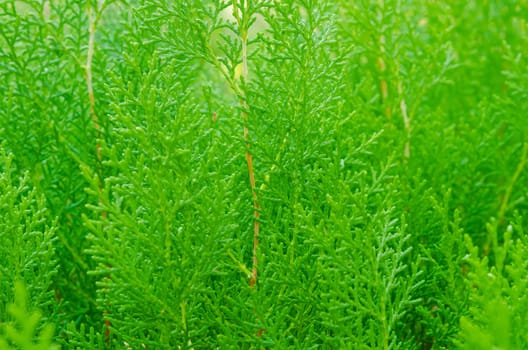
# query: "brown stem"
[[243, 24], [256, 213]]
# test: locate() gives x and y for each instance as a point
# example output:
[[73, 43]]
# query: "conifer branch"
[[243, 23]]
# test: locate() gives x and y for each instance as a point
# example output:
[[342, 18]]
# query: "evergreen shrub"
[[271, 174]]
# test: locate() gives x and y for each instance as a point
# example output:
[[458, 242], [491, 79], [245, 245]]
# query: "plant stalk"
[[243, 27]]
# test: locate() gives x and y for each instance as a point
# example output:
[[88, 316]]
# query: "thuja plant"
[[21, 332], [264, 174], [42, 54], [27, 254], [26, 241], [497, 316]]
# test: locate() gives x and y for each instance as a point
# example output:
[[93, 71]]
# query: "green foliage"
[[26, 240], [387, 141], [497, 316], [21, 332]]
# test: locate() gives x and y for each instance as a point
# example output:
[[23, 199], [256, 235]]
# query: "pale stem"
[[406, 121], [242, 25]]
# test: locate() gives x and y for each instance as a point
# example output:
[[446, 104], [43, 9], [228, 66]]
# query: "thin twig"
[[406, 121], [242, 24]]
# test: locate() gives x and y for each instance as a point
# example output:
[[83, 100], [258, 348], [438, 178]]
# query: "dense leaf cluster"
[[387, 140]]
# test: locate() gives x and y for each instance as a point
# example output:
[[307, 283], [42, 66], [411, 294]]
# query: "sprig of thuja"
[[497, 317], [156, 203], [221, 39], [201, 126], [23, 331], [28, 255]]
